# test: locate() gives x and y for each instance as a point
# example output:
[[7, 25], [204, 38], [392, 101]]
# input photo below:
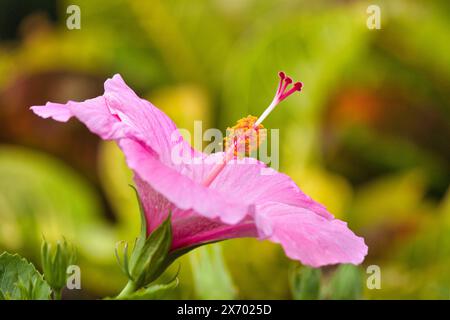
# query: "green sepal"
[[140, 241], [124, 265], [153, 292], [151, 257]]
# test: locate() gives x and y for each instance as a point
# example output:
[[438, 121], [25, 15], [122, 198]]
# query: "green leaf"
[[212, 279], [124, 264], [305, 283], [346, 283], [19, 279]]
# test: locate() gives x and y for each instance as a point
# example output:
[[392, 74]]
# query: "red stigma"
[[298, 86], [283, 92]]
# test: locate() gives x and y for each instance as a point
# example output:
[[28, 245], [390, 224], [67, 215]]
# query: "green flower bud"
[[55, 260]]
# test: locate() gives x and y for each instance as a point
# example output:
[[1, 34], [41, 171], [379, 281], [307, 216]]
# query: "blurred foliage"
[[212, 279], [346, 283], [343, 283], [368, 136], [305, 283]]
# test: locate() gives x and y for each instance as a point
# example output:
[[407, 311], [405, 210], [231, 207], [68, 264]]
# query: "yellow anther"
[[245, 137]]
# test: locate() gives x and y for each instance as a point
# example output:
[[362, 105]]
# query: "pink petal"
[[193, 230], [56, 111], [188, 227], [94, 113], [308, 237], [180, 189], [258, 184], [149, 124], [118, 114], [148, 138], [223, 199]]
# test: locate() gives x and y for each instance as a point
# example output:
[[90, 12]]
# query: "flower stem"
[[129, 288], [57, 294]]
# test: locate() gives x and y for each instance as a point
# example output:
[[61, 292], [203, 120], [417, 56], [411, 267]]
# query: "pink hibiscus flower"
[[216, 198]]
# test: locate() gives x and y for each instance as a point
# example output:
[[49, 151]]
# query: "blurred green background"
[[368, 136]]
